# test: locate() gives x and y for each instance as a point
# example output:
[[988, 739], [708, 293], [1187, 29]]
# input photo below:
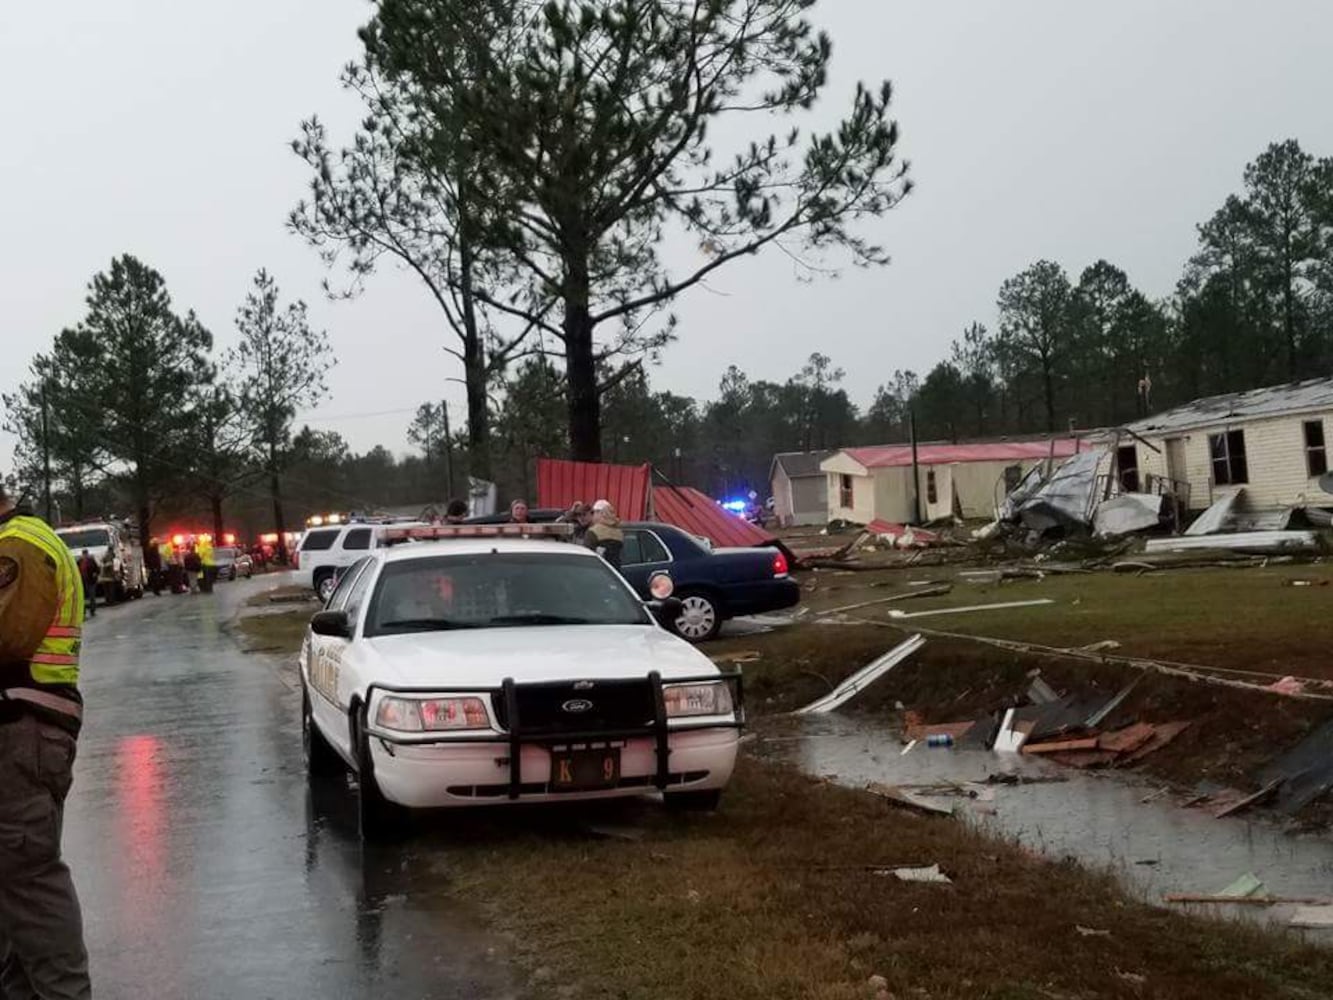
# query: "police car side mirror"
[[666, 611], [334, 624]]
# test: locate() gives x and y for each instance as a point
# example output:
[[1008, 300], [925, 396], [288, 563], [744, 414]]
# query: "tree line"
[[133, 411]]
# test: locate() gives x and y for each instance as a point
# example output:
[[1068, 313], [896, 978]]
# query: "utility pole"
[[448, 451], [46, 457], [916, 469]]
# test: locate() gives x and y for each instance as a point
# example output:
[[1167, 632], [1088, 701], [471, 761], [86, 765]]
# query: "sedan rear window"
[[317, 540], [499, 590]]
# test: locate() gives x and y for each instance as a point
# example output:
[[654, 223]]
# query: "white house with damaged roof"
[[800, 487], [1273, 443]]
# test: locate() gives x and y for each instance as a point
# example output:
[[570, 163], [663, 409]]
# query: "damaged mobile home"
[[1244, 462]]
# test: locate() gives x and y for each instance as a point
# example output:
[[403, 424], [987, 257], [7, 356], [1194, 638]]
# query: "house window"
[[1316, 455], [1228, 454], [1127, 458], [932, 494], [845, 491]]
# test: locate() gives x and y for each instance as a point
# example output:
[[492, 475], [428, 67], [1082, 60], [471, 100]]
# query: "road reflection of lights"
[[140, 819]]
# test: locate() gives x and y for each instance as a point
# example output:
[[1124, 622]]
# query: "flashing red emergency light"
[[178, 540], [437, 532], [229, 538], [270, 539]]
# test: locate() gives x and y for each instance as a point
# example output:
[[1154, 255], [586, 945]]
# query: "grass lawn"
[[1250, 619]]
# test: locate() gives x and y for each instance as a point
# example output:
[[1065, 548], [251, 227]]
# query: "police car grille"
[[580, 706]]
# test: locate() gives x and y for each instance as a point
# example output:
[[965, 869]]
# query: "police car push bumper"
[[528, 741]]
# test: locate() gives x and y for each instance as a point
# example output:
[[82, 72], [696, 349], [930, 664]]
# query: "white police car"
[[487, 664]]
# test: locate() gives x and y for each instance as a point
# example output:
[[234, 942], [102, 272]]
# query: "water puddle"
[[1101, 820]]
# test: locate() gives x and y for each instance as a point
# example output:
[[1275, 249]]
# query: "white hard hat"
[[601, 505]]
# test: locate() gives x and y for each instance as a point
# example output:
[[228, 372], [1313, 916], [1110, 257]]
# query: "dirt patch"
[[777, 895]]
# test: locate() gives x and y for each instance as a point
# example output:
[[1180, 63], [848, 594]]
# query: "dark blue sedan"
[[712, 584]]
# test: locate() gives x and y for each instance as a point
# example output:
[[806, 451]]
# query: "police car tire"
[[703, 801], [381, 820], [321, 760]]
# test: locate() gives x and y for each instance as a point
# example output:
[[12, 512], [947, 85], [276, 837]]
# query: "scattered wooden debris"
[[930, 874], [746, 656], [1267, 792]]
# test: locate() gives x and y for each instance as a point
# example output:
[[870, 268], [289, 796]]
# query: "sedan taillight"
[[780, 567]]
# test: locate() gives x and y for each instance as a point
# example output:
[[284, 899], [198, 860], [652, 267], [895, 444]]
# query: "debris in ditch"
[[1062, 746], [1305, 583], [1287, 685], [1193, 898], [931, 874], [1154, 796], [1126, 740], [922, 733], [1041, 693], [1105, 646], [1101, 715], [863, 678], [1313, 917], [1265, 793], [1004, 605], [911, 745], [1163, 733], [903, 797], [1010, 738], [1246, 885], [1091, 931], [1025, 779], [1251, 542], [747, 656], [1305, 771]]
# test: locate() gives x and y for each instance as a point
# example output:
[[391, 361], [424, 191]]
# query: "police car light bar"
[[437, 532]]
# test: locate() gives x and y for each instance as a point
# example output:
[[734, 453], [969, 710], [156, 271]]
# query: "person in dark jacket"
[[89, 571], [605, 537]]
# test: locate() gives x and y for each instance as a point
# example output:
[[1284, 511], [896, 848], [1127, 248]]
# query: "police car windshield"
[[88, 538], [499, 590]]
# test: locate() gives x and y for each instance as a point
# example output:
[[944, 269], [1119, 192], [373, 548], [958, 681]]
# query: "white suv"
[[325, 552]]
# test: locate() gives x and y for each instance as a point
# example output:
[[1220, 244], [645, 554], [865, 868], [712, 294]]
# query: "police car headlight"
[[455, 713], [416, 715], [684, 700]]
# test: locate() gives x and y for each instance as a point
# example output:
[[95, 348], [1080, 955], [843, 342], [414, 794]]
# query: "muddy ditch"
[[1153, 820]]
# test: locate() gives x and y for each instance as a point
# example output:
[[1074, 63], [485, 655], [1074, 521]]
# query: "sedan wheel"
[[699, 618]]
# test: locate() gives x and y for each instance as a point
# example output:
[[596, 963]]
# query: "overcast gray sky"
[[1036, 128]]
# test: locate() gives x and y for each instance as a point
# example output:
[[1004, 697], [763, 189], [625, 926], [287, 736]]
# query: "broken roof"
[[1233, 407], [890, 455], [801, 464]]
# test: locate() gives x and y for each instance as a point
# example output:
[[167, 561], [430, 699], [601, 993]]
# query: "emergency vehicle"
[[466, 665], [116, 549]]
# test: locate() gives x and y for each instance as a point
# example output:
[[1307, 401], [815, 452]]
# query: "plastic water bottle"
[[939, 740]]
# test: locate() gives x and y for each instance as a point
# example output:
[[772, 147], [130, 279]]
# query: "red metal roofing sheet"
[[885, 456], [560, 484], [699, 514]]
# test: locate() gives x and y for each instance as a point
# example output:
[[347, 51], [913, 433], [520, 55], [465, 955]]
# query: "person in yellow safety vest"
[[42, 953], [208, 566]]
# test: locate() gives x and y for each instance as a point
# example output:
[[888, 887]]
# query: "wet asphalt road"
[[204, 867]]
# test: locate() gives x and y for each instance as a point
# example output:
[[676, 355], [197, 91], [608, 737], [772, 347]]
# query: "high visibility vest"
[[56, 660], [167, 552], [205, 550]]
